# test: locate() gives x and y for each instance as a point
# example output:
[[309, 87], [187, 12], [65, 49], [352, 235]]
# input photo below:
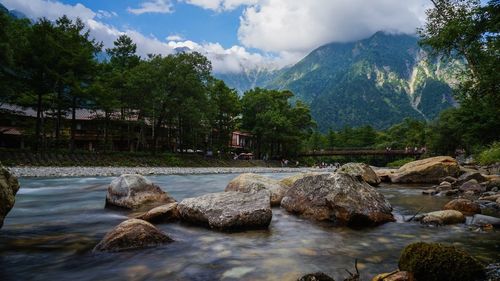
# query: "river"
[[55, 223]]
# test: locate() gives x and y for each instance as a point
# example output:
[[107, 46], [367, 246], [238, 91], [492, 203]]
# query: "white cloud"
[[175, 37], [300, 26], [223, 60], [154, 6], [102, 14], [286, 30], [221, 5], [50, 9]]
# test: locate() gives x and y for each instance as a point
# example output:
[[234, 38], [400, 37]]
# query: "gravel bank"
[[116, 171]]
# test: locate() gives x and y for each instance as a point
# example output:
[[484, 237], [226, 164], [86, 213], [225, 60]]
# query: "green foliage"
[[399, 163], [490, 155], [468, 30], [278, 126], [436, 262]]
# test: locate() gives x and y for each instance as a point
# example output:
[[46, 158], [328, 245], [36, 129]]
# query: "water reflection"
[[56, 222]]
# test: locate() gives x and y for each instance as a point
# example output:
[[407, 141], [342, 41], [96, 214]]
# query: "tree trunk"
[[38, 126], [73, 124]]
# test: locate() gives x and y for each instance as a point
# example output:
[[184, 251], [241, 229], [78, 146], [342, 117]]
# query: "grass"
[[399, 163], [490, 155]]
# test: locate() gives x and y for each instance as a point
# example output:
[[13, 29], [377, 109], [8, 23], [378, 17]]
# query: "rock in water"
[[436, 262], [469, 176], [132, 234], [465, 206], [443, 217], [395, 276], [340, 198], [290, 181], [133, 191], [228, 211], [164, 213], [472, 186], [250, 182], [482, 220], [363, 170], [429, 170], [317, 276], [8, 189]]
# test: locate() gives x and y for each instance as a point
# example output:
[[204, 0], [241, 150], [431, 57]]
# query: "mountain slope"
[[378, 81]]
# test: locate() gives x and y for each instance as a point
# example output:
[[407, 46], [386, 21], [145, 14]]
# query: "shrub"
[[490, 155]]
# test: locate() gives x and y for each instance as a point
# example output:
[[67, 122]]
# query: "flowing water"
[[50, 233]]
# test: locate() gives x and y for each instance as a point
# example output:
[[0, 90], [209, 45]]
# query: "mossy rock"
[[437, 262]]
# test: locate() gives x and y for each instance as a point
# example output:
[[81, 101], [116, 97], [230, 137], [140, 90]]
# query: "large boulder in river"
[[250, 182], [340, 198], [134, 191], [363, 170], [465, 206], [443, 217], [290, 181], [228, 211], [437, 262], [132, 234], [429, 170], [163, 213], [8, 189]]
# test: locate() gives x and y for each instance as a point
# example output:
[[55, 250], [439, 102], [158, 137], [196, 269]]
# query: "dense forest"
[[176, 104]]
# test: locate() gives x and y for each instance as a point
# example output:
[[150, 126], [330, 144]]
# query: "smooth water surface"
[[50, 233]]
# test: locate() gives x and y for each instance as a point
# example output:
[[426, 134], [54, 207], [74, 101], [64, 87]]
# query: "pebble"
[[116, 171]]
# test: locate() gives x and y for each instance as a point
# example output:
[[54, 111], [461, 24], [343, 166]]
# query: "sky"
[[235, 35]]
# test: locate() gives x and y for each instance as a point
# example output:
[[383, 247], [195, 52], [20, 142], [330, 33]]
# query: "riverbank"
[[116, 171]]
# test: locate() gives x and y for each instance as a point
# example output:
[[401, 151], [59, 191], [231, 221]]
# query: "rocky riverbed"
[[116, 171]]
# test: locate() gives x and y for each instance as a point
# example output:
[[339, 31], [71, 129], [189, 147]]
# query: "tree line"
[[174, 101]]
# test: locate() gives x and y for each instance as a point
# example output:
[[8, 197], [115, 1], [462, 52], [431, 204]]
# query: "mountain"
[[249, 79], [377, 81], [12, 13]]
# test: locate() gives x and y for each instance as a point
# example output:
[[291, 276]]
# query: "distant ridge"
[[377, 81]]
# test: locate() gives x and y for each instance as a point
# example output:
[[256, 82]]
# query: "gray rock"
[[449, 179], [340, 198], [132, 234], [443, 217], [228, 211], [444, 186], [363, 170], [469, 176], [8, 189], [484, 220], [134, 191], [250, 182], [472, 186], [164, 213]]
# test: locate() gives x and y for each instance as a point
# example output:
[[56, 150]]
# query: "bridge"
[[364, 152]]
